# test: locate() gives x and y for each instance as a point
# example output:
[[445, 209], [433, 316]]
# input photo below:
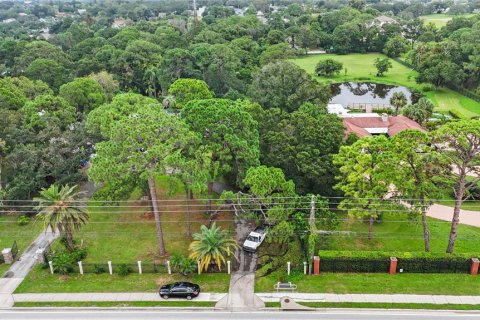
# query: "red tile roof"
[[395, 124]]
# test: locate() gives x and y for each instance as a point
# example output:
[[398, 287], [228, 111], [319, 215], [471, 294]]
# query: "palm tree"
[[398, 100], [211, 245], [57, 208]]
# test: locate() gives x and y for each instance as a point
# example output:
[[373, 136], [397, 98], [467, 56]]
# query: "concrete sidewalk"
[[445, 213], [266, 297], [381, 298], [19, 270]]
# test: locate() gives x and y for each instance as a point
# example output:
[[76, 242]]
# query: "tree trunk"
[[210, 191], [426, 231], [189, 231], [370, 228], [459, 193], [156, 213], [69, 238]]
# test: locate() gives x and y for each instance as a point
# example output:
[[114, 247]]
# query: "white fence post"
[[110, 267], [169, 268], [198, 266], [80, 267], [50, 263], [288, 267], [228, 267], [139, 267], [304, 267]]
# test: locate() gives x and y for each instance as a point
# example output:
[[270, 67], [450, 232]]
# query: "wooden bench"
[[285, 286]]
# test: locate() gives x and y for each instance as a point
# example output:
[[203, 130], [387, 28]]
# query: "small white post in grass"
[[50, 263], [198, 266], [228, 267], [304, 267], [139, 267], [169, 269], [110, 267], [288, 267], [80, 267]]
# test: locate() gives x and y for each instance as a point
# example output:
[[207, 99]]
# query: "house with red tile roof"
[[373, 124]]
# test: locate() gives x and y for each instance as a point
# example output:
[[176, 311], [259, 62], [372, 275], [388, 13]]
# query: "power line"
[[247, 198]]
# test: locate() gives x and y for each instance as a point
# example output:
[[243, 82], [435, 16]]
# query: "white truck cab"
[[255, 239]]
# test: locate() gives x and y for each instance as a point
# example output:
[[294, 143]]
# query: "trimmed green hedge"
[[396, 254], [379, 262]]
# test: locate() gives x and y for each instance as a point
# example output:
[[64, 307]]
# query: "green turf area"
[[396, 232], [117, 304], [40, 280], [441, 19], [439, 284], [360, 68], [425, 306], [10, 231], [126, 233]]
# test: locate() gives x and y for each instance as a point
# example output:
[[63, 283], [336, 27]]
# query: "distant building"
[[239, 11], [261, 17], [61, 14], [9, 20], [119, 23], [82, 11], [22, 14], [363, 125], [338, 109], [381, 20]]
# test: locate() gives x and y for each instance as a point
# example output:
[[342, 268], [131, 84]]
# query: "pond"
[[353, 94]]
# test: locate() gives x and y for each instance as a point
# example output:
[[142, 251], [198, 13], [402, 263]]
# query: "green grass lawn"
[[10, 231], [379, 305], [441, 19], [126, 233], [117, 304], [396, 233], [360, 68], [447, 284], [40, 280]]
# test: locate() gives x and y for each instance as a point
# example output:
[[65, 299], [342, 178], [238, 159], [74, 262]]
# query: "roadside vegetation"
[[434, 284], [40, 280]]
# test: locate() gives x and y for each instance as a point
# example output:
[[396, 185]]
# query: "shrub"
[[455, 114], [388, 111], [328, 67], [124, 270], [99, 269], [182, 264], [78, 254], [373, 261], [62, 262], [23, 220], [428, 88]]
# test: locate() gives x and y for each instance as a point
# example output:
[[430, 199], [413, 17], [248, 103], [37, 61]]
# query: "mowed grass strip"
[[378, 305], [341, 283], [41, 281], [117, 304], [360, 68]]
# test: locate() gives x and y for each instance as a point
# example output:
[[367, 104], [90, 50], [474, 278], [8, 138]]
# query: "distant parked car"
[[180, 290], [255, 239]]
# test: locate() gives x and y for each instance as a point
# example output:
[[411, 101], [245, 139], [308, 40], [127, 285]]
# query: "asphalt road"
[[219, 315]]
